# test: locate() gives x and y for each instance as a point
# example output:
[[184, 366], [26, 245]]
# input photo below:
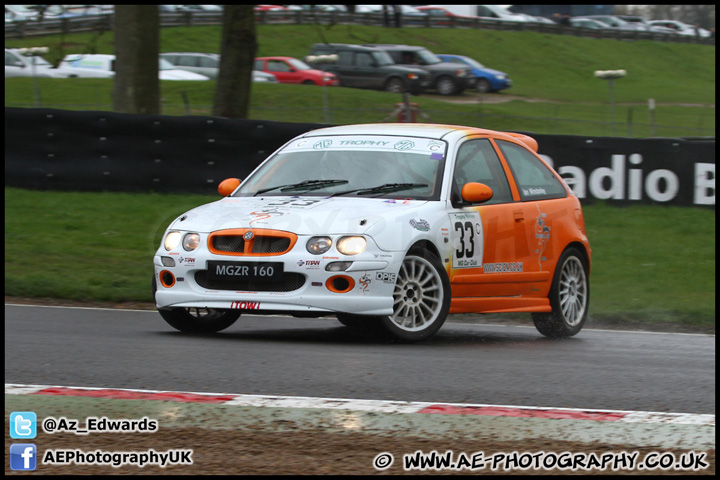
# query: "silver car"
[[207, 64]]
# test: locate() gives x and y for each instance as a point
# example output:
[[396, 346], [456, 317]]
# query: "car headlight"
[[319, 245], [351, 245], [172, 240], [191, 241]]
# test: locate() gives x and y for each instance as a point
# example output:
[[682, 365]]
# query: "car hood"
[[487, 71], [180, 75], [405, 68], [445, 67], [300, 215]]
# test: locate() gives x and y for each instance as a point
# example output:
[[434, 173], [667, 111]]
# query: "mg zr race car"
[[384, 225]]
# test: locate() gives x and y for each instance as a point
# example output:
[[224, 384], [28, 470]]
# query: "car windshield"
[[165, 65], [39, 61], [352, 165], [383, 58], [428, 58], [473, 63], [299, 64]]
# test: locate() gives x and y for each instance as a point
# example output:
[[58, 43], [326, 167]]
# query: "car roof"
[[192, 53], [97, 56], [394, 46], [429, 130], [348, 46]]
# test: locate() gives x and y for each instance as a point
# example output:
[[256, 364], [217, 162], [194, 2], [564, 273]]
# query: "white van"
[[97, 66], [18, 64], [104, 65]]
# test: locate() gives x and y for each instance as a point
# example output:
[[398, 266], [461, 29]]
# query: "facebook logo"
[[23, 425], [23, 456]]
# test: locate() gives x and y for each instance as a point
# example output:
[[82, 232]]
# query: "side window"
[[171, 58], [477, 161], [208, 62], [345, 58], [186, 61], [363, 59], [258, 65], [484, 11], [277, 66], [397, 57], [534, 179]]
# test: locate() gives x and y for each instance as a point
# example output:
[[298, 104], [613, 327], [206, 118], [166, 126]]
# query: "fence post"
[[651, 106], [186, 101]]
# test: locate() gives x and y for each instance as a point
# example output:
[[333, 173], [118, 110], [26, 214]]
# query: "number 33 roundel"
[[467, 233]]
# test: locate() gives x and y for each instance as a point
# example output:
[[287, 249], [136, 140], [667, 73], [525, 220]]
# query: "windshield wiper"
[[387, 188], [306, 185]]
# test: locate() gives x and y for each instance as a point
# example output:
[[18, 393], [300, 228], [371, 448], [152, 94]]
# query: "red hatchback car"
[[292, 70]]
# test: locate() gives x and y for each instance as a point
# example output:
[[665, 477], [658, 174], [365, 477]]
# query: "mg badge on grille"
[[248, 235]]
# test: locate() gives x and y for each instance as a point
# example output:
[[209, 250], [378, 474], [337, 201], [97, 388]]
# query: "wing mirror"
[[476, 192], [228, 186]]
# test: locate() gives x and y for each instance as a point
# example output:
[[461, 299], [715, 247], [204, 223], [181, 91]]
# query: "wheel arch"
[[394, 76], [583, 251], [425, 244]]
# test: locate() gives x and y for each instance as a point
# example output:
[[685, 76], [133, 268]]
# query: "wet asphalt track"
[[464, 363]]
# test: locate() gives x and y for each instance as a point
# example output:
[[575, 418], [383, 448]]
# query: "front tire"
[[197, 320], [395, 85], [483, 85], [446, 86], [421, 300], [569, 297]]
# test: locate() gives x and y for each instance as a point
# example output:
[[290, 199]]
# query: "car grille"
[[263, 242], [287, 283]]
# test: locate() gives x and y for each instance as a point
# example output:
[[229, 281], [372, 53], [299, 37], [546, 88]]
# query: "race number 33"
[[467, 234]]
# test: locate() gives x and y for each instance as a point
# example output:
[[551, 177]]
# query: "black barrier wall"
[[93, 151], [96, 151]]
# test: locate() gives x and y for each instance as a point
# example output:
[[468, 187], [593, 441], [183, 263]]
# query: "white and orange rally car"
[[389, 225]]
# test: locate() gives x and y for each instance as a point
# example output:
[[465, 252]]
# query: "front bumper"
[[364, 288]]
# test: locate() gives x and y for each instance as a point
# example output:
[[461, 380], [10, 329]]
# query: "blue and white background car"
[[387, 225], [488, 79]]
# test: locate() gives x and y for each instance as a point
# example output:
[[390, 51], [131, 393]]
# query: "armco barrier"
[[96, 151]]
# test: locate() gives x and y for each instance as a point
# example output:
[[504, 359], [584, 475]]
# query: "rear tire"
[[569, 297]]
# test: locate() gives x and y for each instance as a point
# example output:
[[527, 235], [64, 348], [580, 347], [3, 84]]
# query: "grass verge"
[[651, 264]]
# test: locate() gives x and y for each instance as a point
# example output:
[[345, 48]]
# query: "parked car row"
[[637, 24], [17, 64], [389, 67], [400, 68]]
